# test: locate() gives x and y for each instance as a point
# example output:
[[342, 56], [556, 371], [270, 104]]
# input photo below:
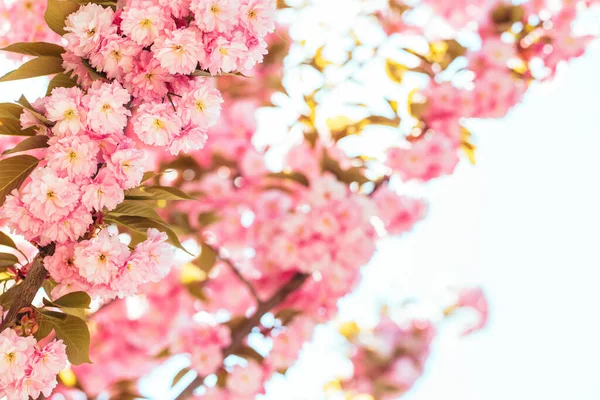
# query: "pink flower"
[[73, 155], [102, 191], [426, 159], [87, 27], [475, 299], [99, 260], [158, 252], [246, 381], [224, 54], [14, 354], [69, 228], [497, 53], [191, 138], [106, 104], [398, 213], [178, 50], [116, 56], [127, 165], [17, 217], [64, 107], [50, 360], [49, 197], [156, 124], [73, 65], [148, 80], [144, 22], [202, 103], [215, 15], [258, 16]]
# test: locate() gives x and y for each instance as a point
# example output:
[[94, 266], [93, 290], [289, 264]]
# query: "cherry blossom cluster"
[[28, 27], [27, 368], [85, 170], [152, 48]]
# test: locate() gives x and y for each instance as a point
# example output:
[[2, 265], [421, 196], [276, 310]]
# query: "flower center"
[[50, 194], [102, 258], [72, 156], [178, 48], [91, 32], [158, 124], [252, 14], [145, 23], [69, 114], [224, 51], [106, 107], [215, 9], [200, 105], [10, 357]]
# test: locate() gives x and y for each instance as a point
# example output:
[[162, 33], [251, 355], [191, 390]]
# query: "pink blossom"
[[69, 228], [73, 65], [14, 354], [246, 381], [214, 15], [202, 103], [102, 191], [106, 105], [156, 124], [64, 107], [178, 50], [75, 156], [48, 196], [86, 28], [224, 55], [127, 166], [148, 80], [398, 213], [190, 139], [475, 299], [258, 16], [116, 56], [99, 259], [144, 22]]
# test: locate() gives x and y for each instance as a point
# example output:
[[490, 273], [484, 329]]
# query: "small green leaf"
[[141, 225], [72, 330], [180, 375], [60, 80], [13, 127], [36, 49], [40, 66], [207, 259], [208, 218], [157, 193], [10, 110], [57, 12], [135, 209], [7, 298], [33, 142], [13, 172], [26, 105], [74, 300], [6, 240], [7, 259], [292, 176]]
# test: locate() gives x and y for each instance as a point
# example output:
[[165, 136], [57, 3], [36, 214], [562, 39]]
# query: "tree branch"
[[27, 290], [242, 278], [245, 328]]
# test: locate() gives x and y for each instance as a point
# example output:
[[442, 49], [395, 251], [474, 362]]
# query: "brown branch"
[[242, 279], [27, 290], [245, 328]]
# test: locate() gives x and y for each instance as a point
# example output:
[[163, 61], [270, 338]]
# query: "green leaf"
[[292, 176], [7, 298], [13, 127], [135, 209], [208, 218], [7, 259], [49, 285], [6, 240], [196, 289], [26, 105], [74, 300], [36, 49], [10, 110], [248, 352], [200, 72], [60, 80], [157, 193], [73, 331], [57, 12], [180, 375], [207, 259], [40, 66], [13, 172], [141, 225], [33, 142], [94, 74]]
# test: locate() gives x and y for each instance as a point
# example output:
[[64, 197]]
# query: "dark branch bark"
[[30, 286], [238, 336]]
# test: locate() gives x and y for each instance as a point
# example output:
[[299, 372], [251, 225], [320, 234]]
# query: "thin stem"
[[238, 336], [241, 277]]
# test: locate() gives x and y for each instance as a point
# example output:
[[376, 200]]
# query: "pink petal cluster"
[[27, 370], [204, 343], [105, 267], [398, 213]]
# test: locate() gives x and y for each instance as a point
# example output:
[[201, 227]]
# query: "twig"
[[244, 329], [242, 278], [30, 286]]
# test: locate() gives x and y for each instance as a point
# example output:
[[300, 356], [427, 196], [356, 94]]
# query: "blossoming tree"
[[147, 138]]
